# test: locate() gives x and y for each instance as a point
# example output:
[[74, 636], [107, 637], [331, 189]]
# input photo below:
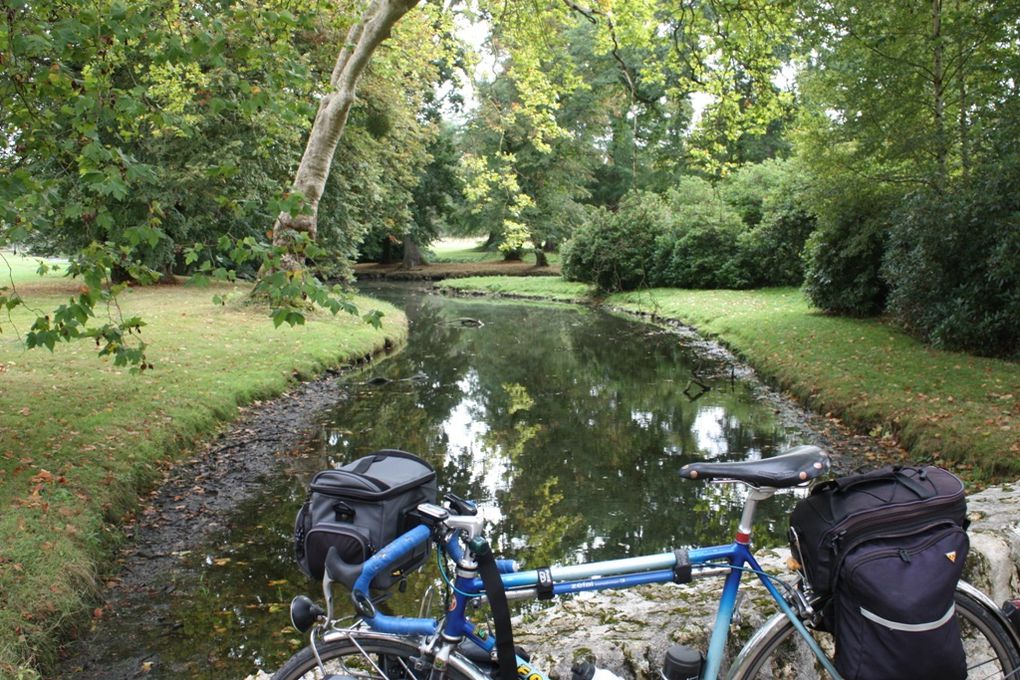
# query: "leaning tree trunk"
[[362, 40]]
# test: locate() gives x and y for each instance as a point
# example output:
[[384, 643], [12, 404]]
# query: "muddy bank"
[[194, 501]]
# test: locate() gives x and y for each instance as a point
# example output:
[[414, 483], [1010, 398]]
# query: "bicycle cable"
[[440, 554]]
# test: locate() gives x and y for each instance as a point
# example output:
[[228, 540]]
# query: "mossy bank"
[[79, 438], [947, 407]]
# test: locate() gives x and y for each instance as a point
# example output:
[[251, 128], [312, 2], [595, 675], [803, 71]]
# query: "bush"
[[953, 268], [700, 250], [772, 252], [613, 250], [843, 257], [842, 263]]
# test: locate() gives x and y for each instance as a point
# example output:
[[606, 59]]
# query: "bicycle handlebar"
[[379, 563], [359, 578]]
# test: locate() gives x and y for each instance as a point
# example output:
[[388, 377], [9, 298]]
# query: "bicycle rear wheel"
[[363, 655], [783, 654]]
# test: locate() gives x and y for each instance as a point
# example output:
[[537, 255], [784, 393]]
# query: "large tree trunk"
[[412, 253], [362, 40]]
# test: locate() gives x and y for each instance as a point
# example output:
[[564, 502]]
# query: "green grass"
[[79, 438], [469, 250], [947, 407], [17, 269], [540, 287]]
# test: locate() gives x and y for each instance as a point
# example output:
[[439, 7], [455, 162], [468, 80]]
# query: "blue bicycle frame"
[[620, 573]]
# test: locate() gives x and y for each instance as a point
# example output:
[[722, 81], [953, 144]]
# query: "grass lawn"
[[79, 438], [947, 407], [539, 287], [469, 250]]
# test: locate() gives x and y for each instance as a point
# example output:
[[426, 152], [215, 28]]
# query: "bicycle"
[[788, 645]]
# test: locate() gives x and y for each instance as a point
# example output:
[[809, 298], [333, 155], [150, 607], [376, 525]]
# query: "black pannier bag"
[[359, 508], [889, 547]]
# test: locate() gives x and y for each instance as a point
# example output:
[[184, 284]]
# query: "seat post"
[[755, 494]]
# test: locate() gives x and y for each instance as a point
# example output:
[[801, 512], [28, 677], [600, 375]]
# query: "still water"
[[568, 426]]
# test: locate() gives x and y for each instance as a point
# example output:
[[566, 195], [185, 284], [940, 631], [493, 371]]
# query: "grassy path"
[[79, 438], [948, 407]]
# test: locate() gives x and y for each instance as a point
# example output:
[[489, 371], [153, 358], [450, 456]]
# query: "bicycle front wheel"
[[783, 654], [364, 655]]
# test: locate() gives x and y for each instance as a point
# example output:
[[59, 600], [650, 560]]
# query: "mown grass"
[[470, 250], [946, 407], [539, 287], [79, 438]]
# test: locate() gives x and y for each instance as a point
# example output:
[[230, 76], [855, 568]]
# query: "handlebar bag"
[[884, 550], [359, 508]]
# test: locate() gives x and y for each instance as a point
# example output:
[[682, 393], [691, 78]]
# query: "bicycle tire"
[[991, 650], [364, 655]]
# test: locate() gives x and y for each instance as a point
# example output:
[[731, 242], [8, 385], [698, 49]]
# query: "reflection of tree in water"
[[571, 427], [553, 415], [615, 429]]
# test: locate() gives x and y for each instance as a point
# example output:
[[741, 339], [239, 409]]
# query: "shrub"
[[953, 268], [700, 250], [842, 263], [772, 251], [613, 250], [843, 257]]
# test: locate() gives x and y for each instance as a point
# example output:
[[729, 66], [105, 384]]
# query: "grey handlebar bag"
[[359, 508]]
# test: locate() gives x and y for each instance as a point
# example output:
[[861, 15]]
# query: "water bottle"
[[586, 670], [682, 663]]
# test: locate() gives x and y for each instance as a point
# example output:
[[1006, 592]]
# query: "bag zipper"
[[902, 552], [838, 566], [337, 489]]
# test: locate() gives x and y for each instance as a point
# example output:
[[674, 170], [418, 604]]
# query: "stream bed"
[[567, 425]]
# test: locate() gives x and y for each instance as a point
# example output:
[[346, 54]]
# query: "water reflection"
[[569, 426]]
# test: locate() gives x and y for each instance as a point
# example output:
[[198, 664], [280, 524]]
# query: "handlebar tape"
[[506, 655], [390, 555], [380, 562]]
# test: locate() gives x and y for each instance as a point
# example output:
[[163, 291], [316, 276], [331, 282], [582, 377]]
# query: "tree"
[[438, 194], [133, 128], [713, 28], [885, 81], [899, 105], [366, 34], [106, 103]]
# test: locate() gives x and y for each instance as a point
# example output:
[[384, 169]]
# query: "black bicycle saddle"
[[790, 468]]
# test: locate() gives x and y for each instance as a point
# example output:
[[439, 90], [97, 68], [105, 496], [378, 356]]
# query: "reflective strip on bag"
[[910, 627]]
